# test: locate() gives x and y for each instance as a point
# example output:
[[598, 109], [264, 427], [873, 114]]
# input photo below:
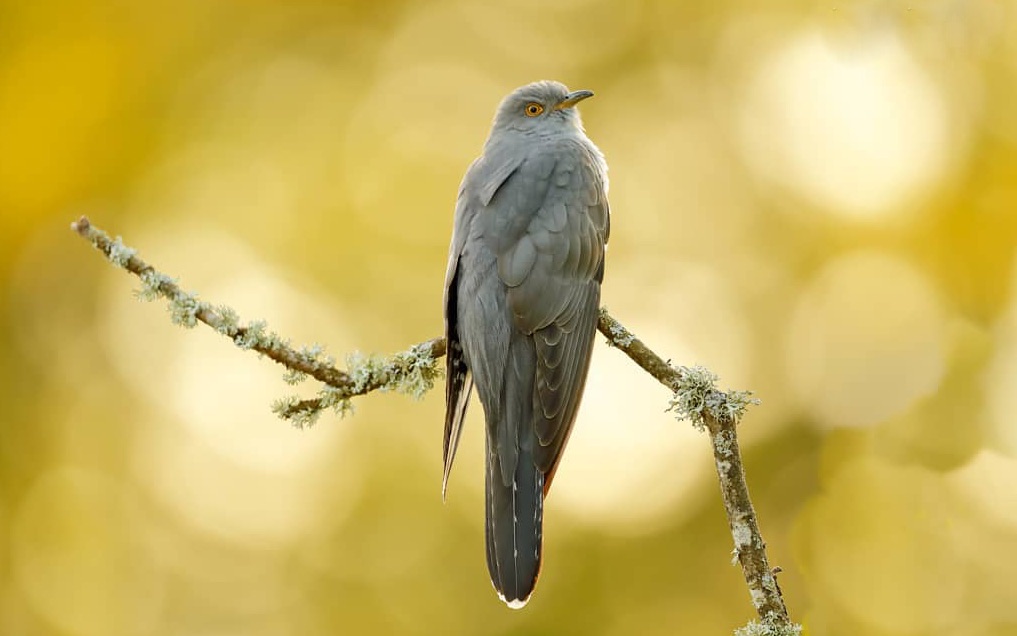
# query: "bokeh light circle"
[[856, 127], [865, 340]]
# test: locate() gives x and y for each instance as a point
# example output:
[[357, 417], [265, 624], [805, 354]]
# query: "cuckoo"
[[522, 293]]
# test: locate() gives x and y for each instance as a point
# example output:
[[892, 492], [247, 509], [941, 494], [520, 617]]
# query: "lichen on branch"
[[414, 371], [411, 372]]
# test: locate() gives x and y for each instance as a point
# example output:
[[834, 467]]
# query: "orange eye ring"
[[533, 109]]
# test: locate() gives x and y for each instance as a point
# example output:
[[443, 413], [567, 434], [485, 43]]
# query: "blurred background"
[[817, 201]]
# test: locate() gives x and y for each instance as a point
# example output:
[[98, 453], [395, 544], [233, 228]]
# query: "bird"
[[521, 304]]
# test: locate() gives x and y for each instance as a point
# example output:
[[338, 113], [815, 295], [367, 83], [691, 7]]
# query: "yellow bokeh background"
[[818, 201]]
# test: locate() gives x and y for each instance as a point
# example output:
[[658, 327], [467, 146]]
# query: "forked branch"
[[696, 398]]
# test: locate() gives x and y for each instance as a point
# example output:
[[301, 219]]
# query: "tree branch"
[[696, 398]]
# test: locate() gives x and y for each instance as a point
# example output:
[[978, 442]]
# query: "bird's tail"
[[514, 519]]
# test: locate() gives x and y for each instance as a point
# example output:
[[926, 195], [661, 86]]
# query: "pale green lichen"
[[184, 310], [734, 404], [305, 414], [312, 351], [769, 627], [229, 321], [723, 443], [287, 408], [620, 336], [120, 254], [153, 285], [314, 355], [411, 372], [183, 307], [294, 376], [309, 356], [252, 335], [272, 340], [364, 371], [337, 399], [742, 534], [415, 371], [305, 419], [284, 406], [696, 395], [255, 335], [691, 391]]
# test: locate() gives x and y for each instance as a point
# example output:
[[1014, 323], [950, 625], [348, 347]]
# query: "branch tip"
[[81, 226]]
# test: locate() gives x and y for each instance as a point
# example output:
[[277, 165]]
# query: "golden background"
[[814, 200]]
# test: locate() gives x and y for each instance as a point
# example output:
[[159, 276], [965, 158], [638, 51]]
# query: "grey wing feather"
[[482, 181], [553, 268], [459, 381]]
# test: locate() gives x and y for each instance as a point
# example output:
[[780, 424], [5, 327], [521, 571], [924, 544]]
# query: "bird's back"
[[522, 296]]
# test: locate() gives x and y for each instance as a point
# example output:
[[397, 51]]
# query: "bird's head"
[[543, 108]]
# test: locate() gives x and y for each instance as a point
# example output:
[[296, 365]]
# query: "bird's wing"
[[551, 258], [484, 178]]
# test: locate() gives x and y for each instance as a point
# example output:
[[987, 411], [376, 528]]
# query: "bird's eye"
[[533, 109]]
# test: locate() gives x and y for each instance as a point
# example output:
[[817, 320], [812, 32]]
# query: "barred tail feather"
[[514, 528]]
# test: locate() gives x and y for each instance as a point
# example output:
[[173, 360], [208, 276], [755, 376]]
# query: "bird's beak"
[[572, 99]]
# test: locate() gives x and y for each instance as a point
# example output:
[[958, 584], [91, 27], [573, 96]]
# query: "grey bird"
[[522, 294]]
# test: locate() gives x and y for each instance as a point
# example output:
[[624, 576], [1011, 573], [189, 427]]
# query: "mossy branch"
[[413, 372]]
